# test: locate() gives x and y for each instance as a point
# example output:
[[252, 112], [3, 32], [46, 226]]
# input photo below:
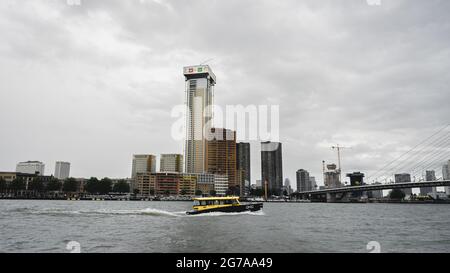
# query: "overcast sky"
[[96, 83]]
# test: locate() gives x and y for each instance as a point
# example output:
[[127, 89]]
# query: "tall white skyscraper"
[[62, 170], [200, 81], [143, 164], [31, 167]]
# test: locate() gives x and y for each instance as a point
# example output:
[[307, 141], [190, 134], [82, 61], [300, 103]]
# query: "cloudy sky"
[[94, 84]]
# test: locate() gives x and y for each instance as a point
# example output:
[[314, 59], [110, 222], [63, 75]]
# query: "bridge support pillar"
[[331, 197]]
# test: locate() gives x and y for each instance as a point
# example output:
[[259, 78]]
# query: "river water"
[[123, 226]]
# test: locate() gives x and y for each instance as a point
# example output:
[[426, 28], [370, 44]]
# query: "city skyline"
[[119, 93]]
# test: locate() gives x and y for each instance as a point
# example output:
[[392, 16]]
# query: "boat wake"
[[146, 211], [65, 212]]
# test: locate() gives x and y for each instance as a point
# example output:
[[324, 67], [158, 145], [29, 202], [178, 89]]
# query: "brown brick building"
[[221, 154]]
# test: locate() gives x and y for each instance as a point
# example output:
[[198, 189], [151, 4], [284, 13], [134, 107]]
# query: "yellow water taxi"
[[221, 204]]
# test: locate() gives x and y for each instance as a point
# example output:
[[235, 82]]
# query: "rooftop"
[[217, 198]]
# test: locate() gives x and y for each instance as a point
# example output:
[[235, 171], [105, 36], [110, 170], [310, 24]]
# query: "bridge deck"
[[372, 187]]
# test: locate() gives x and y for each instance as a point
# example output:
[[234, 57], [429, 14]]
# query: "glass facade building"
[[272, 166]]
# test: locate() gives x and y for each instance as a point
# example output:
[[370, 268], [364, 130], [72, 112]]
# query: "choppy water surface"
[[47, 226]]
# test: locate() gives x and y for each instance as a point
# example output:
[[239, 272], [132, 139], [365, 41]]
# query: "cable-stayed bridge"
[[417, 167]]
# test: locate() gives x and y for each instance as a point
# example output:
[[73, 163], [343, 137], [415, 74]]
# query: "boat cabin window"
[[215, 202], [204, 203], [231, 202]]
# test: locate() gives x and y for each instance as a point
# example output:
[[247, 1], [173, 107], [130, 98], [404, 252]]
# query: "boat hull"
[[239, 208]]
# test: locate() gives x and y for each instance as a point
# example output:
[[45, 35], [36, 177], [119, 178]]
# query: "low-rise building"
[[8, 176], [145, 183], [205, 183], [188, 184]]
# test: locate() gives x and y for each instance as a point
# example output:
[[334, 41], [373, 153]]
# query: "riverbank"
[[185, 199]]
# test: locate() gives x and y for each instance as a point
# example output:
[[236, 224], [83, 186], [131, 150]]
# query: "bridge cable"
[[402, 163], [404, 154]]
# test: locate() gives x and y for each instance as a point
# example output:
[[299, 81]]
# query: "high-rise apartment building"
[[200, 81], [62, 170], [446, 175], [243, 163], [143, 164], [287, 185], [303, 183], [272, 166], [221, 154], [31, 167], [171, 163], [446, 171], [404, 178], [313, 182], [429, 176]]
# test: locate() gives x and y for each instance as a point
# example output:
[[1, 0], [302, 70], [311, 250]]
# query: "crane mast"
[[338, 149]]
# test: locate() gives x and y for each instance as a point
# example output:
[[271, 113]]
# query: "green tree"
[[136, 191], [152, 192], [70, 185], [198, 192], [54, 185], [213, 193], [3, 185], [18, 184], [105, 186], [397, 194], [121, 186], [36, 185], [183, 192], [92, 185], [258, 192], [234, 190]]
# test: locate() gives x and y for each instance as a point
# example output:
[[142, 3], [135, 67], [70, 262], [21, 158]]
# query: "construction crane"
[[339, 148]]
